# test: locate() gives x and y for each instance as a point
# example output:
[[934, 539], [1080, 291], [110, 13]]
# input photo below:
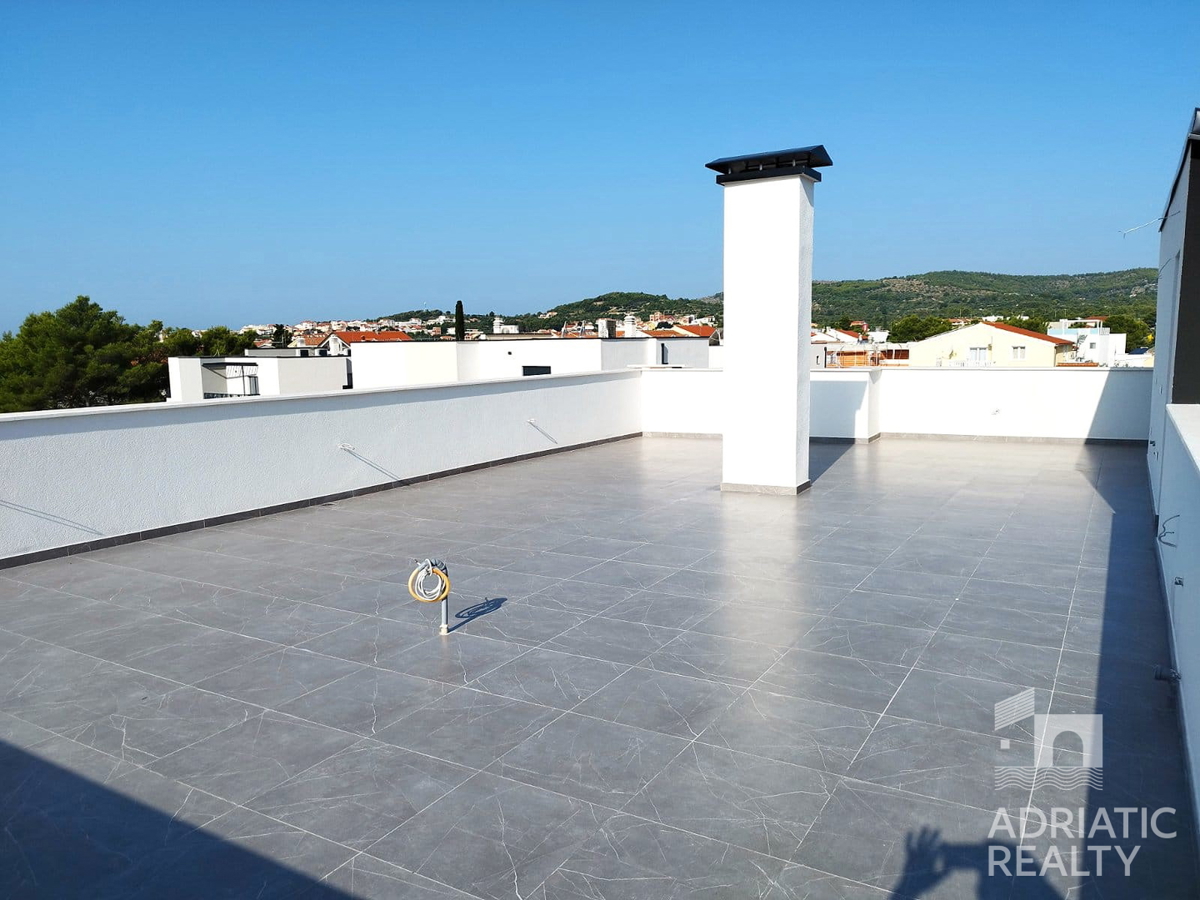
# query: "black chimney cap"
[[776, 164]]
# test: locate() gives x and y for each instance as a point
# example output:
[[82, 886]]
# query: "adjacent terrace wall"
[[1062, 403], [78, 476], [863, 404], [440, 362], [1178, 548]]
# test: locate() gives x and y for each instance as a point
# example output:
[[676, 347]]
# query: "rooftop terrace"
[[652, 689]]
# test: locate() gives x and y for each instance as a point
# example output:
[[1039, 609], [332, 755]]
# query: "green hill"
[[965, 294], [948, 294], [881, 302]]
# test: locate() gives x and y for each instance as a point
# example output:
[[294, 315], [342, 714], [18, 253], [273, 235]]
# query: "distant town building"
[[991, 344], [340, 342]]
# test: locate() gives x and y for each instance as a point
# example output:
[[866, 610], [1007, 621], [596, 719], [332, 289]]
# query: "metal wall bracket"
[[1166, 673]]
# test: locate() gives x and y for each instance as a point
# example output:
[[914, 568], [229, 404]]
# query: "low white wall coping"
[[217, 403]]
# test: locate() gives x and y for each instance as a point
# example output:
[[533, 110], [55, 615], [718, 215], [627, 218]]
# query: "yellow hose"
[[442, 594]]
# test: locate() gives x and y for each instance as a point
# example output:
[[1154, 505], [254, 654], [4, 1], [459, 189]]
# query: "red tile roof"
[[359, 337], [661, 332], [1025, 331], [697, 330]]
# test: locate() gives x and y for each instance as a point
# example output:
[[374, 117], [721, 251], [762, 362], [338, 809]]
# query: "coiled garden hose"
[[430, 583]]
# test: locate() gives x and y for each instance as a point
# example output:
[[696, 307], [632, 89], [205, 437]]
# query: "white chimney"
[[631, 326], [768, 278]]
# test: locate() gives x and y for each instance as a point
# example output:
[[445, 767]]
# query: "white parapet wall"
[[999, 402], [439, 362], [1178, 548], [861, 404], [684, 402], [78, 476]]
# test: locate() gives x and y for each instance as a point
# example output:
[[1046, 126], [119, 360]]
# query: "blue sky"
[[241, 162]]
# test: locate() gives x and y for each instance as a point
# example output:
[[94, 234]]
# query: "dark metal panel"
[[1185, 387]]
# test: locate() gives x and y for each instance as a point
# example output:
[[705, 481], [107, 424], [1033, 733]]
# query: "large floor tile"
[[791, 729], [276, 678], [728, 660], [899, 842], [269, 618], [893, 609], [615, 640], [960, 701], [629, 857], [162, 724], [748, 801], [892, 644], [456, 658], [764, 624], [662, 702], [838, 680], [370, 641], [366, 701], [253, 756], [601, 762], [1020, 626], [357, 796], [667, 610], [491, 837], [990, 659], [469, 727], [550, 678], [367, 878], [939, 762], [518, 622]]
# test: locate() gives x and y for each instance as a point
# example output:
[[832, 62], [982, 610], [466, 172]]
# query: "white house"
[[340, 342], [214, 378], [991, 344]]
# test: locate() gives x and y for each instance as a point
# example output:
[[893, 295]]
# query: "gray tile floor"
[[653, 690]]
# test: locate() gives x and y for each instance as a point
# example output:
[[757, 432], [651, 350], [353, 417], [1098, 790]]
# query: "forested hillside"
[[881, 302]]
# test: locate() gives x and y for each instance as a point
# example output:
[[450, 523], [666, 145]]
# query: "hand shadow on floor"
[[930, 860], [470, 613]]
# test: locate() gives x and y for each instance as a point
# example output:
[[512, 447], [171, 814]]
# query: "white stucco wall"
[[1071, 404], [403, 363], [842, 403], [1026, 403], [186, 379], [440, 362], [301, 375], [683, 401], [1170, 265], [80, 475], [845, 405], [1179, 557]]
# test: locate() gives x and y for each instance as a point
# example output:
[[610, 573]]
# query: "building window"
[[1092, 345], [1018, 352], [978, 355]]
